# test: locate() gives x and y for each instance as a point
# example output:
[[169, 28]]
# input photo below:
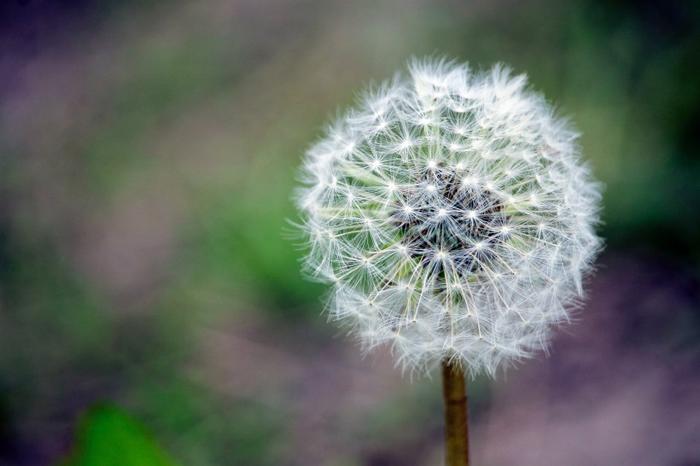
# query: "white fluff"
[[452, 216]]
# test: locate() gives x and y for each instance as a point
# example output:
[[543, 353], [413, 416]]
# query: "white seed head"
[[458, 222]]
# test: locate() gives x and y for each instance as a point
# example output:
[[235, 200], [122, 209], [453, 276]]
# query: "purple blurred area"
[[621, 386], [148, 152]]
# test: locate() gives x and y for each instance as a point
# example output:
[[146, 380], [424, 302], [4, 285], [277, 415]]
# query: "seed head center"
[[442, 213]]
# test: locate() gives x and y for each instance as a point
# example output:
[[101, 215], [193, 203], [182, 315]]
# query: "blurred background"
[[151, 308]]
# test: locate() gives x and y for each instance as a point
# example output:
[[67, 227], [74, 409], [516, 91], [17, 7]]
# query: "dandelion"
[[453, 218]]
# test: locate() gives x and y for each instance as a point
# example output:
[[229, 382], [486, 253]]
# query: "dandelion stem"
[[454, 392]]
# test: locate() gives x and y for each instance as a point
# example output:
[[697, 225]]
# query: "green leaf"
[[109, 437]]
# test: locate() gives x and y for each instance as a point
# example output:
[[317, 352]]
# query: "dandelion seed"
[[405, 144]]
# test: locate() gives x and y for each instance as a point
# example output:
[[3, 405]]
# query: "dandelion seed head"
[[453, 217]]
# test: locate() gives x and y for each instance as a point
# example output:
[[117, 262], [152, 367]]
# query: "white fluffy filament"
[[453, 217]]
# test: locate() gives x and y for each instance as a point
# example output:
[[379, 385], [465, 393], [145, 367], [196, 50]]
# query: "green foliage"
[[110, 437], [254, 255]]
